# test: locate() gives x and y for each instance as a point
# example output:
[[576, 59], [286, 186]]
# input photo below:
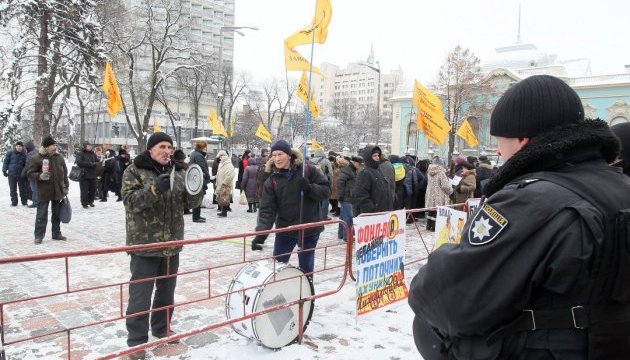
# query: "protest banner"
[[379, 257]]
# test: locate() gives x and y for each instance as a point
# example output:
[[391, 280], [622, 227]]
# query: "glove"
[[258, 240], [5, 173], [163, 183], [44, 176], [304, 185]]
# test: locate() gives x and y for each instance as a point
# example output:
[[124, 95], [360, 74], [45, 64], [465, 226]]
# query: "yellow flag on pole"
[[215, 124], [319, 24], [156, 126], [425, 97], [110, 87], [435, 128], [294, 61], [263, 133], [302, 93], [315, 145], [467, 133]]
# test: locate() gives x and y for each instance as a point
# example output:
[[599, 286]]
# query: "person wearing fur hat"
[[88, 161], [49, 169], [533, 276], [291, 196], [154, 194], [622, 131], [467, 185], [12, 166]]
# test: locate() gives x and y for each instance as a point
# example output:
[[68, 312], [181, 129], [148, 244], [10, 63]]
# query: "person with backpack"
[[543, 267], [292, 196]]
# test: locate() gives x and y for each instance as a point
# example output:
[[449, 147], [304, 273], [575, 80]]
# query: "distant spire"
[[518, 37], [370, 59]]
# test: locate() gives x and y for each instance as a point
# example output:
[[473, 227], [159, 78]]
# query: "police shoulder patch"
[[486, 225]]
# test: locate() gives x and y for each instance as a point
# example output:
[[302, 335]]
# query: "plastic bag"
[[65, 211], [243, 199]]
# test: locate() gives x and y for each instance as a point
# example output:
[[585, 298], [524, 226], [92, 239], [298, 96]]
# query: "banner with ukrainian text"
[[379, 258]]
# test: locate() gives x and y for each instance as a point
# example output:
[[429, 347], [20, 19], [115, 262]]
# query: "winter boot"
[[257, 245], [223, 213], [255, 207], [251, 208]]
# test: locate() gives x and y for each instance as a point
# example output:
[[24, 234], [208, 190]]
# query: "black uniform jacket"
[[529, 246]]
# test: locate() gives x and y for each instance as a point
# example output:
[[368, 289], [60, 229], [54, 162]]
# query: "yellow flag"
[[294, 61], [315, 145], [302, 93], [435, 128], [319, 24], [425, 97], [263, 133], [215, 124], [466, 132], [156, 126], [110, 86]]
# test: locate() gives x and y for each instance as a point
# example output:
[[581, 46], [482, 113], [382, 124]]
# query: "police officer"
[[521, 284]]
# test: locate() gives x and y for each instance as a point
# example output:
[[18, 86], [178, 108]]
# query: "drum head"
[[194, 179], [281, 327]]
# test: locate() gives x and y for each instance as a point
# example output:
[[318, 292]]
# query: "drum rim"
[[310, 311], [193, 167]]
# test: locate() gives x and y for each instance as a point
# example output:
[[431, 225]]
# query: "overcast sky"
[[417, 35]]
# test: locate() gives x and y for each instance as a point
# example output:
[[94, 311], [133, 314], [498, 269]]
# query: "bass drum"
[[268, 289]]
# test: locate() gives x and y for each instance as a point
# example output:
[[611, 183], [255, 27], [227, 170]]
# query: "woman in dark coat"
[[248, 184], [242, 165]]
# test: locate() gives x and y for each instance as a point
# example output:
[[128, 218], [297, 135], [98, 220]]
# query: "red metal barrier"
[[244, 258]]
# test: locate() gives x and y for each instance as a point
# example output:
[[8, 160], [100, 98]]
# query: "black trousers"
[[16, 182], [41, 220], [143, 267], [88, 191]]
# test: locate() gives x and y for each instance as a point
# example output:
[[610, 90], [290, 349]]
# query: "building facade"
[[605, 96]]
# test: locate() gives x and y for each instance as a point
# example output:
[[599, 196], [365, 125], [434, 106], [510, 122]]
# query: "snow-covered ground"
[[334, 332]]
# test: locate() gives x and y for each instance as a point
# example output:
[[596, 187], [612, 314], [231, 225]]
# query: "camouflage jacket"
[[150, 217]]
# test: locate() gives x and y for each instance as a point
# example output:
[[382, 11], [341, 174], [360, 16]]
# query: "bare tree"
[[55, 36], [196, 82], [148, 45], [460, 81]]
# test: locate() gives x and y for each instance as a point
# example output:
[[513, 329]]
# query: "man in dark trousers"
[[198, 156], [288, 186], [534, 276], [49, 169], [14, 163], [154, 212], [87, 161]]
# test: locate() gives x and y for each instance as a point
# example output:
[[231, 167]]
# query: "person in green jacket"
[[155, 196]]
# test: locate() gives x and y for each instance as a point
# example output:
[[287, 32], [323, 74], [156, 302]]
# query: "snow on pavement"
[[334, 332]]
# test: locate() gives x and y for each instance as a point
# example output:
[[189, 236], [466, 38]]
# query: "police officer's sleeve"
[[511, 249]]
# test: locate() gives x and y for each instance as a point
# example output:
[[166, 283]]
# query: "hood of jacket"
[[367, 156], [434, 170], [297, 159], [562, 145]]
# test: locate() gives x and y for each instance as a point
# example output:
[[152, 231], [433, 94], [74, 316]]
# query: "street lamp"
[[377, 69], [236, 29]]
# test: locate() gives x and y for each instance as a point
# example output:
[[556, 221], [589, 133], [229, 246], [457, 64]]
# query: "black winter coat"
[[372, 192], [199, 157], [280, 202], [87, 161], [14, 163], [531, 245], [346, 183]]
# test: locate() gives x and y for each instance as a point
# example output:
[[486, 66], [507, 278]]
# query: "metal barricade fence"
[[47, 324], [328, 261]]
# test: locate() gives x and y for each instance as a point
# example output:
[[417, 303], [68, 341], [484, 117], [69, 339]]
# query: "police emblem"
[[486, 225]]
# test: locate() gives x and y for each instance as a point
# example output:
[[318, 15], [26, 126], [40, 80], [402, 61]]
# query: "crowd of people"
[[532, 255]]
